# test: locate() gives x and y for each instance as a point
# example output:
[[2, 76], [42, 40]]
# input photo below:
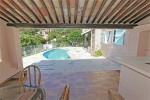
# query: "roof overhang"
[[74, 13]]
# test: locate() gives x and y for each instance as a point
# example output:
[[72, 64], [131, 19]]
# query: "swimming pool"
[[56, 54]]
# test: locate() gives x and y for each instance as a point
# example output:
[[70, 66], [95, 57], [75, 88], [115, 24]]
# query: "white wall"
[[11, 59], [97, 38], [131, 41], [147, 50]]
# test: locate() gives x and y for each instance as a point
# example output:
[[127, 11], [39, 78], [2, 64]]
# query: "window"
[[119, 36], [113, 36]]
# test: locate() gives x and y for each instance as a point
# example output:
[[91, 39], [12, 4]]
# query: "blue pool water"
[[56, 54]]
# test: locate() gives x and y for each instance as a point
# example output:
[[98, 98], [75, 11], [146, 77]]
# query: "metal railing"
[[34, 49], [67, 44]]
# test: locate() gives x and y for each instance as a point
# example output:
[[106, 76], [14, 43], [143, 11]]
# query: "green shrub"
[[98, 53]]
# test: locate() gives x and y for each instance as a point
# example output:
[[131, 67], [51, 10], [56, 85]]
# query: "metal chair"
[[65, 94]]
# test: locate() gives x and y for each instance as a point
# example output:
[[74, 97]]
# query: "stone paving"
[[89, 79], [82, 65], [83, 85]]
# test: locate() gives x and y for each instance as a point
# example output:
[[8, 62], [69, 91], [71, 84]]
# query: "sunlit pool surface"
[[56, 54]]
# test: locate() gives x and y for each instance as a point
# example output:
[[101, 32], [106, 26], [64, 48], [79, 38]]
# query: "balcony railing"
[[33, 49]]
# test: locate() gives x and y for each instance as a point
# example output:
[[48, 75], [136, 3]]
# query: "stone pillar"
[[92, 41]]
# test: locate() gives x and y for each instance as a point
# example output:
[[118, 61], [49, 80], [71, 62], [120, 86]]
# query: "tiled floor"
[[88, 79], [83, 85], [92, 85]]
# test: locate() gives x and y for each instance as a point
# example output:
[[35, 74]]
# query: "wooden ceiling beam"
[[114, 10], [10, 14], [122, 26], [99, 10], [92, 10], [143, 17], [121, 9], [11, 9], [76, 10], [84, 9], [106, 10], [21, 11], [34, 4], [25, 5], [46, 9], [5, 16], [140, 16], [136, 14], [61, 9], [68, 9], [139, 6], [4, 19], [128, 10], [53, 7], [125, 10]]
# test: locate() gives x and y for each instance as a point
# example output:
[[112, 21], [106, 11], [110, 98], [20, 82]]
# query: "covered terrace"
[[133, 15]]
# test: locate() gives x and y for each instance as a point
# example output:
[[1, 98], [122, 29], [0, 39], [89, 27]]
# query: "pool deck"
[[73, 52], [81, 61]]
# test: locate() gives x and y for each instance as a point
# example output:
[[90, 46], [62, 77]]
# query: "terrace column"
[[10, 52]]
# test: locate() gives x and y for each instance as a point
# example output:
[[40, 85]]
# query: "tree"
[[30, 37], [72, 36], [75, 36]]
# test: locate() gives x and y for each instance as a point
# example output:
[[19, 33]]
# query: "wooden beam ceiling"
[[92, 10], [13, 11], [99, 10], [106, 10], [114, 11], [126, 10], [13, 3], [54, 10], [136, 6], [104, 13], [10, 14], [4, 19], [76, 10], [45, 7], [7, 17], [68, 9], [61, 8], [84, 9], [27, 7], [130, 16], [35, 5]]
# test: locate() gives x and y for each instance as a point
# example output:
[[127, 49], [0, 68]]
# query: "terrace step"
[[114, 95]]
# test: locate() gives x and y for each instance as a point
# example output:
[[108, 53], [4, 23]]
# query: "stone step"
[[114, 95]]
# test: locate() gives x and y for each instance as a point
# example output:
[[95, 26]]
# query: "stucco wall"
[[11, 59], [131, 41], [97, 38]]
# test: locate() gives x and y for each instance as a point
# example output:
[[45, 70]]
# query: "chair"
[[65, 93], [32, 89], [27, 71]]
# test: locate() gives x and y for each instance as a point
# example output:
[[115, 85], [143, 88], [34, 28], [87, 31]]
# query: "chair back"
[[25, 76], [65, 94]]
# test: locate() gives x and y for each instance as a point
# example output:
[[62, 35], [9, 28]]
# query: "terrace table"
[[11, 92], [134, 77]]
